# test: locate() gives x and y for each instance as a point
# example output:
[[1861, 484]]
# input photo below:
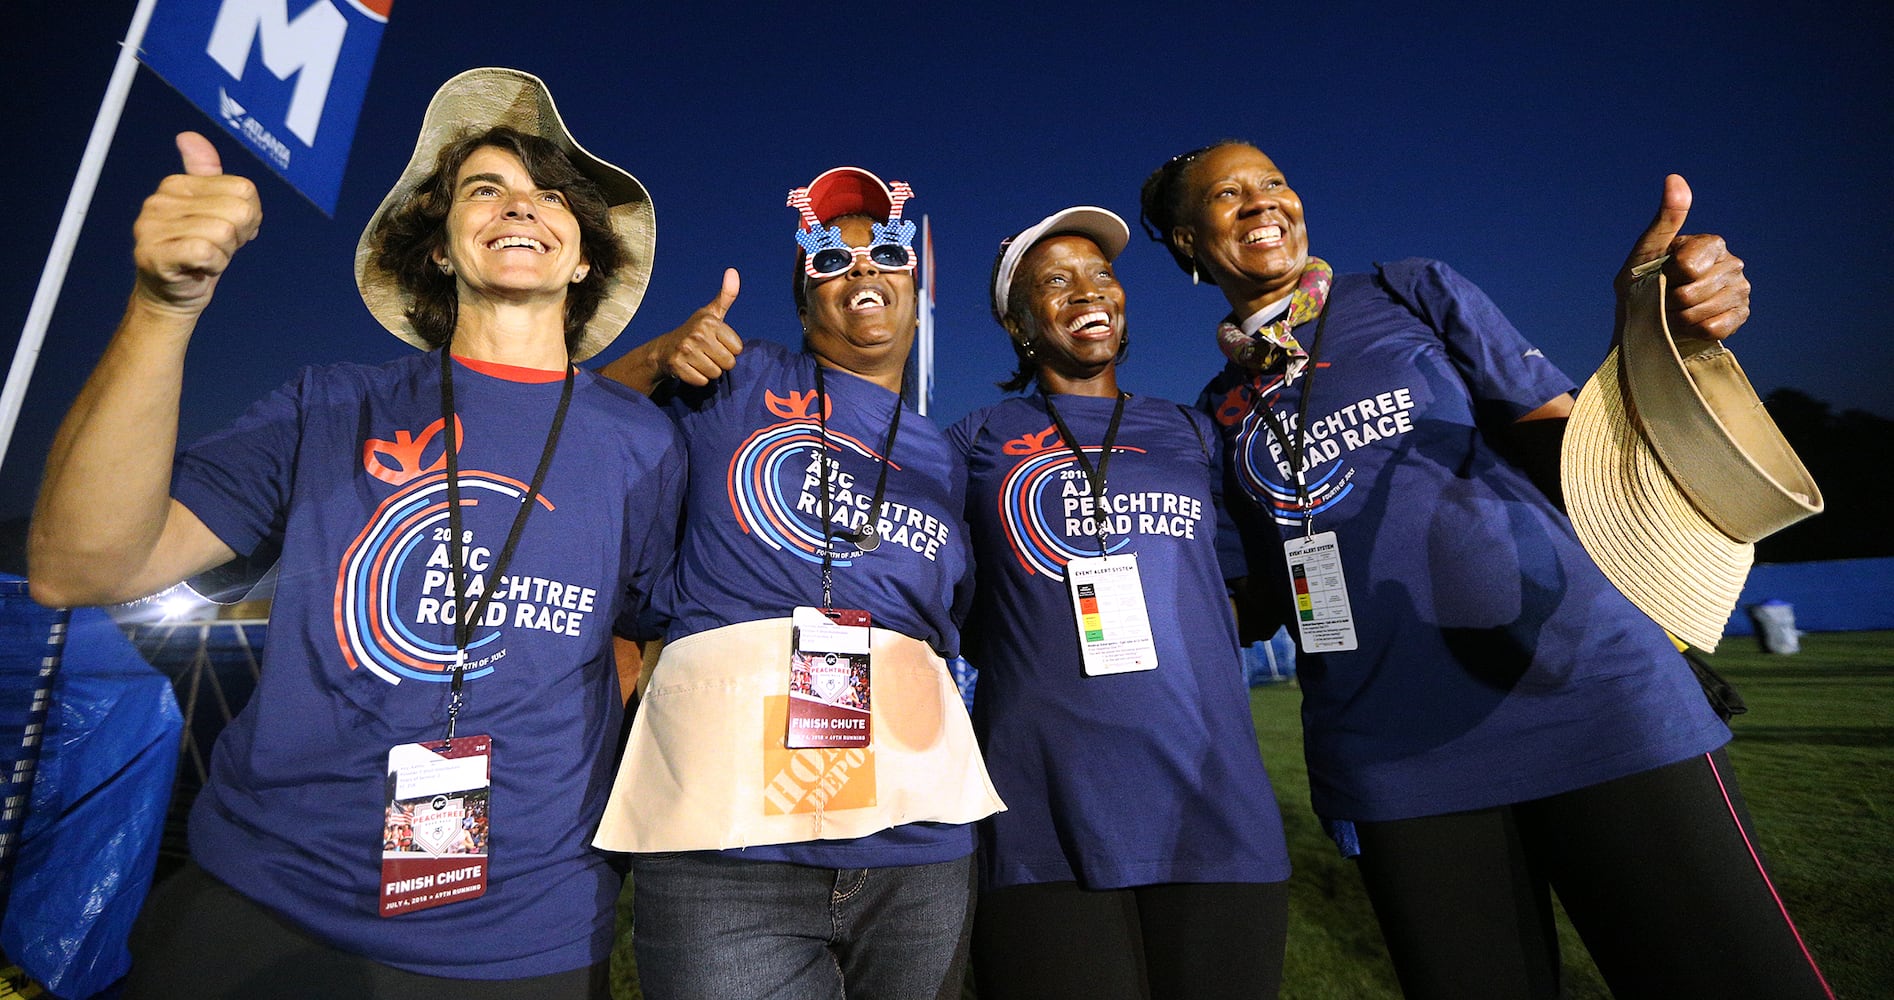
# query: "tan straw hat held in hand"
[[1672, 470], [481, 99]]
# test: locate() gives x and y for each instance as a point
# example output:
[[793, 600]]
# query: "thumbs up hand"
[[189, 229], [1708, 296], [705, 346]]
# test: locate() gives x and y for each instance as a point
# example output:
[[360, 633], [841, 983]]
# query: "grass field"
[[1814, 754], [1815, 758]]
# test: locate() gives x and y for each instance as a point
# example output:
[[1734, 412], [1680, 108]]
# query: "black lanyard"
[[869, 537], [1096, 477], [465, 617], [1293, 448]]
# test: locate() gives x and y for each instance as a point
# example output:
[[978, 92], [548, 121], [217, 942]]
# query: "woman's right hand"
[[705, 346], [695, 353], [189, 229]]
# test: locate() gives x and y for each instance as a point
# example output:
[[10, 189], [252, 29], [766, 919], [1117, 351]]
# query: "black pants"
[[1204, 941], [199, 938], [1659, 871]]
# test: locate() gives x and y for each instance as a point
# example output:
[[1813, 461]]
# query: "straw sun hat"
[[1672, 470], [476, 101]]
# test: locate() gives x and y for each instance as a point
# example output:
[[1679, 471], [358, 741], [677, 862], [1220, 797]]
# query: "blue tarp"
[[97, 812], [1271, 661]]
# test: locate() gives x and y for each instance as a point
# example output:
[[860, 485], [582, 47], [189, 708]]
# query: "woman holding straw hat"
[[1141, 853], [1491, 717], [459, 529]]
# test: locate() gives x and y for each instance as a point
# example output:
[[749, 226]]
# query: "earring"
[[1193, 270], [1026, 346], [578, 275], [446, 266]]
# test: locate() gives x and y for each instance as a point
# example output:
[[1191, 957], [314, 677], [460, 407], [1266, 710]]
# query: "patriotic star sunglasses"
[[825, 254]]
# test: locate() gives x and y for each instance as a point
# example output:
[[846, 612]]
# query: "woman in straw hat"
[[1481, 707], [1141, 852], [801, 781], [458, 529]]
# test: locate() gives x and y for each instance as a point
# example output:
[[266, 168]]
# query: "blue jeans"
[[710, 927]]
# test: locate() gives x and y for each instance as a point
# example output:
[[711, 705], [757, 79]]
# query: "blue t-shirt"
[[344, 467], [1496, 663], [751, 548], [1125, 779]]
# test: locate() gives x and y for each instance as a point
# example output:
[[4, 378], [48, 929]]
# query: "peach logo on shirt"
[[1032, 444], [403, 460], [798, 405]]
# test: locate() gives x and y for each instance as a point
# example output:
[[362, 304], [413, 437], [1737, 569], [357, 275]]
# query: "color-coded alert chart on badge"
[[1089, 621], [1114, 627], [1323, 616]]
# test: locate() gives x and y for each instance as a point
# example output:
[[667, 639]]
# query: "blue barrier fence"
[[1838, 595]]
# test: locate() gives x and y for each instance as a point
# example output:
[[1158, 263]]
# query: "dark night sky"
[[1526, 147]]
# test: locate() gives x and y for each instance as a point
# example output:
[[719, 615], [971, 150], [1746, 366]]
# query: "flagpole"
[[40, 316], [921, 357]]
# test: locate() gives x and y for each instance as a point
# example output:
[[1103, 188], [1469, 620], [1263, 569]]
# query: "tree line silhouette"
[[1851, 456]]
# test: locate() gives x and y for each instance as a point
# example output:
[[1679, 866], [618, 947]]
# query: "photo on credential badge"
[[828, 680], [834, 680], [828, 700], [435, 825]]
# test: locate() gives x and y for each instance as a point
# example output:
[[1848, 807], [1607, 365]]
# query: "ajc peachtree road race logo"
[[1050, 517], [1262, 463], [1263, 468], [1046, 504], [395, 605], [775, 489]]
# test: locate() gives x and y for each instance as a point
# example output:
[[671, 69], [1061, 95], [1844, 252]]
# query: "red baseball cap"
[[849, 191]]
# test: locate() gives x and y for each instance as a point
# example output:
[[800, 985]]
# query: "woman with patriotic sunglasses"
[[801, 781]]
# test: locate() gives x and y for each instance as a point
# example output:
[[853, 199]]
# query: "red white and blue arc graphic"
[[1032, 505], [765, 482], [380, 579], [1262, 480]]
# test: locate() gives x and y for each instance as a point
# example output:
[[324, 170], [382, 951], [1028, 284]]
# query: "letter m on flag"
[[285, 77]]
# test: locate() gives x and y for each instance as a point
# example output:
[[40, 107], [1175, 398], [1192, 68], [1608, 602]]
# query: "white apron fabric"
[[706, 767]]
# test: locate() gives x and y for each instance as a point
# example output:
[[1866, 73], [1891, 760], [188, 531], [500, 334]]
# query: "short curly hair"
[[408, 236]]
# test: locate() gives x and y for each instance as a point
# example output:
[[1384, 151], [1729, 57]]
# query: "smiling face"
[[1067, 304], [1243, 224], [862, 320], [507, 237]]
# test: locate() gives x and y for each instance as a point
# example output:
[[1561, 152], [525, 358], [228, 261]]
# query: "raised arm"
[[694, 353], [1707, 297], [105, 528]]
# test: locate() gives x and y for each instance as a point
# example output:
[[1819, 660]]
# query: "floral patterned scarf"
[[1261, 349]]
